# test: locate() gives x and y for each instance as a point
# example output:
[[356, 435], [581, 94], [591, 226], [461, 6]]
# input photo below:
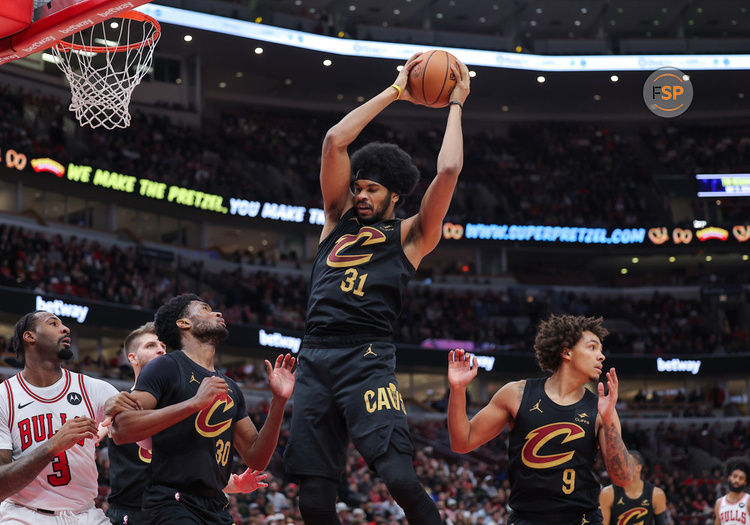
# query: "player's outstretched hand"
[[72, 431], [461, 89], [402, 80], [120, 403], [209, 389], [462, 368], [247, 482], [280, 377], [607, 403]]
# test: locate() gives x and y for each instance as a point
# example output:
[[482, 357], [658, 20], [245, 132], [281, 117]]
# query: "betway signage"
[[678, 365], [278, 340], [60, 308]]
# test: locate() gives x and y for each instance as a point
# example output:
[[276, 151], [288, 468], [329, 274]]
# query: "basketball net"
[[103, 65]]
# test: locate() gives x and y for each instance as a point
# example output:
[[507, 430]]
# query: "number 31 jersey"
[[358, 279], [31, 415]]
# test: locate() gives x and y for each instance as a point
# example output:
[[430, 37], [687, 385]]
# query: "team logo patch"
[[368, 236], [74, 398], [144, 455], [536, 439], [628, 517], [203, 421]]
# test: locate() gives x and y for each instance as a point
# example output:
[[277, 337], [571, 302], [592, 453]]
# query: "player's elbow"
[[333, 140], [451, 169]]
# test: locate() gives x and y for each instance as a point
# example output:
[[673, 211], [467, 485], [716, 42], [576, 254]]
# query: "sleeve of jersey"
[[241, 406], [99, 391], [157, 377], [6, 442]]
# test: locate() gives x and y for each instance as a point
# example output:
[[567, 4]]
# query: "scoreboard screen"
[[724, 185]]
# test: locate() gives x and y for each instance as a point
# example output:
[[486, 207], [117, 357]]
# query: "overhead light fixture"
[[327, 62], [614, 78], [187, 38], [541, 79]]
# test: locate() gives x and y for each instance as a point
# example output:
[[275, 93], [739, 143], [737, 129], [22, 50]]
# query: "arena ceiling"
[[537, 18]]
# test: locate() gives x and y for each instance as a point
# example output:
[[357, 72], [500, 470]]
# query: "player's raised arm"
[[616, 457], [467, 435], [256, 448], [335, 174], [425, 228]]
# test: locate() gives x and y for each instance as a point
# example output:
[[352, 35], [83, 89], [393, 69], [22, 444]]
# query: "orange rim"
[[62, 45]]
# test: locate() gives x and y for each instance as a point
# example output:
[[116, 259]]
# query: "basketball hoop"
[[103, 65]]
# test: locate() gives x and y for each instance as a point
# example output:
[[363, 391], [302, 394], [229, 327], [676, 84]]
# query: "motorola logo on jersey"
[[144, 454], [203, 424], [368, 235], [531, 453], [628, 517], [74, 398]]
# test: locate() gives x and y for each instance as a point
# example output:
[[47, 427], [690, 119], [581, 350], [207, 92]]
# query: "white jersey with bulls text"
[[734, 513], [31, 415]]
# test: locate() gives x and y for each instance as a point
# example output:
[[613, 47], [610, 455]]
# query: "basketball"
[[431, 82]]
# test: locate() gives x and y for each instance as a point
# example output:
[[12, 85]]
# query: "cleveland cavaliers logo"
[[368, 236], [203, 424], [629, 517], [537, 438], [144, 454]]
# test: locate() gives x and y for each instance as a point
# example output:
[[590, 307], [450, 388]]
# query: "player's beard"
[[737, 487], [64, 352], [210, 333], [377, 215]]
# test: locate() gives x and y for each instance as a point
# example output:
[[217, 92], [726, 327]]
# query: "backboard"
[[29, 26]]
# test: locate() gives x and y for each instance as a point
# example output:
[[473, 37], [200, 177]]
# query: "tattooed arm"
[[15, 475], [616, 457]]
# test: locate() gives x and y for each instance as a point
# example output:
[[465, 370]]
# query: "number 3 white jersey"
[[31, 415], [734, 513]]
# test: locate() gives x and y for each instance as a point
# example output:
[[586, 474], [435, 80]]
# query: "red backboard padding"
[[15, 16], [45, 32]]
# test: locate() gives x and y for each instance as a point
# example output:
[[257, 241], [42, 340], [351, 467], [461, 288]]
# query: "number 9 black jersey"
[[358, 278], [551, 452]]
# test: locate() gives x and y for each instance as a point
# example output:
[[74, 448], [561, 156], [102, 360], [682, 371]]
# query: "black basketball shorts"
[[344, 393], [169, 506]]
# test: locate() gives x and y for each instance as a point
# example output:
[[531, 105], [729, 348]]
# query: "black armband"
[[660, 519]]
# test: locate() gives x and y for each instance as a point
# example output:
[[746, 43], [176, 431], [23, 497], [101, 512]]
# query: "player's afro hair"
[[386, 164], [166, 318], [563, 331], [739, 463], [24, 324]]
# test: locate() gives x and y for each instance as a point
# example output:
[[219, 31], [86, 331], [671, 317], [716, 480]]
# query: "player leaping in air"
[[556, 425], [346, 382]]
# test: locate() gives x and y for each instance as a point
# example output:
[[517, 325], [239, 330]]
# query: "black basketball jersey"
[[194, 455], [551, 452], [638, 511], [129, 466], [358, 278]]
